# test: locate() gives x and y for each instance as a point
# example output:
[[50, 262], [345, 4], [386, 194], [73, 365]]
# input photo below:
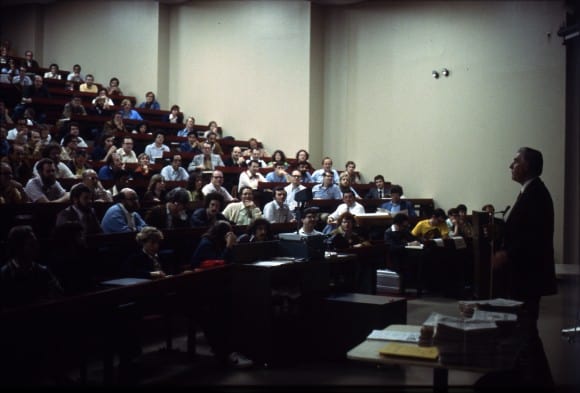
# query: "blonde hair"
[[149, 233]]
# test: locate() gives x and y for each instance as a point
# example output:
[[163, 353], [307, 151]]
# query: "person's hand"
[[231, 239], [112, 149], [499, 259], [249, 204], [330, 220]]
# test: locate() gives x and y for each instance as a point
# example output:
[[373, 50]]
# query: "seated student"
[[277, 211], [302, 157], [123, 215], [343, 236], [11, 191], [254, 144], [309, 219], [465, 227], [381, 190], [146, 263], [22, 279], [174, 171], [102, 103], [350, 167], [173, 213], [397, 237], [194, 187], [80, 211], [216, 185], [251, 177], [189, 126], [488, 208], [113, 164], [327, 189], [279, 174], [255, 156], [115, 125], [345, 185], [121, 180], [206, 161], [53, 72], [258, 231], [98, 192], [44, 188], [245, 211], [192, 145], [74, 129], [349, 205], [156, 149], [207, 215], [155, 190], [432, 228], [143, 170], [29, 61], [126, 151], [150, 102], [113, 89], [318, 174], [216, 243], [75, 75], [127, 111], [213, 127], [278, 156], [215, 145], [236, 159], [292, 189], [305, 176], [174, 115], [89, 85], [398, 205]]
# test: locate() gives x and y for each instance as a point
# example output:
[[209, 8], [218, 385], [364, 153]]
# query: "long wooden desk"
[[368, 351]]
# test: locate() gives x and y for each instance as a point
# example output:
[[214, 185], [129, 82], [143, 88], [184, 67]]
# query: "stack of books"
[[388, 281]]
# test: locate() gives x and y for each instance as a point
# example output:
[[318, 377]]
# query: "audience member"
[[309, 220], [45, 188], [53, 72], [73, 107], [126, 152], [123, 216], [156, 190], [278, 156], [89, 85], [397, 237], [346, 185], [150, 102], [113, 164], [255, 156], [120, 180], [147, 263], [192, 145], [318, 174], [157, 148], [103, 148], [349, 205], [75, 75], [174, 171], [102, 103], [113, 89], [381, 189], [292, 188], [11, 192], [488, 208], [115, 125], [5, 118], [22, 280], [215, 145], [245, 211], [207, 215], [74, 129], [236, 158], [21, 80], [189, 126], [79, 163], [68, 150], [343, 236], [279, 174], [433, 227], [30, 94], [216, 243], [277, 211], [258, 231], [327, 189], [80, 211], [29, 61], [127, 111], [206, 161], [194, 187], [305, 176], [350, 167], [302, 157], [175, 116], [173, 213], [251, 177], [143, 170], [215, 185], [398, 205], [98, 192]]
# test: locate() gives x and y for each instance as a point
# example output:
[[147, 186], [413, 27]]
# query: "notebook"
[[409, 350]]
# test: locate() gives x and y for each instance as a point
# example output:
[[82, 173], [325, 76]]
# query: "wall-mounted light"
[[435, 74], [445, 72]]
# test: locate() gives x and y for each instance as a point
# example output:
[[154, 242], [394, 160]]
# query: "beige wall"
[[352, 82], [451, 138]]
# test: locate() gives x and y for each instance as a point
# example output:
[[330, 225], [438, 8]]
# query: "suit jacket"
[[90, 224], [374, 193], [528, 241]]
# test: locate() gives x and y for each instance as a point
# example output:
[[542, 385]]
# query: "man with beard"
[[80, 211], [211, 212], [123, 216], [44, 188]]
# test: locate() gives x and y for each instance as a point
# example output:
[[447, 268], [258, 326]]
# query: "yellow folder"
[[409, 350]]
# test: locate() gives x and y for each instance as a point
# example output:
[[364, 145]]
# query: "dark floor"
[[158, 367]]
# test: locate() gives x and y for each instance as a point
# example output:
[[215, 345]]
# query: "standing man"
[[526, 260]]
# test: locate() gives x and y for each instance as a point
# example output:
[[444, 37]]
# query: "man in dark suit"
[[526, 261], [80, 211], [382, 189]]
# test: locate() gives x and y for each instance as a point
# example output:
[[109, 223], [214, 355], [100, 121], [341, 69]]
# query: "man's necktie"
[[380, 194]]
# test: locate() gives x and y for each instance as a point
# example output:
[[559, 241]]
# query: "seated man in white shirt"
[[251, 177], [292, 188], [255, 154], [215, 185], [245, 211], [75, 130], [309, 220], [157, 148], [44, 188], [277, 211], [175, 172], [126, 151], [350, 205]]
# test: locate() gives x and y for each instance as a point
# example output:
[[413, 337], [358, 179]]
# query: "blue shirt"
[[403, 205], [273, 178], [318, 174], [131, 115], [320, 192], [115, 221]]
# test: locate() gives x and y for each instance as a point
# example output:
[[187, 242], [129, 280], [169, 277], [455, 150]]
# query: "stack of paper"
[[467, 307]]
